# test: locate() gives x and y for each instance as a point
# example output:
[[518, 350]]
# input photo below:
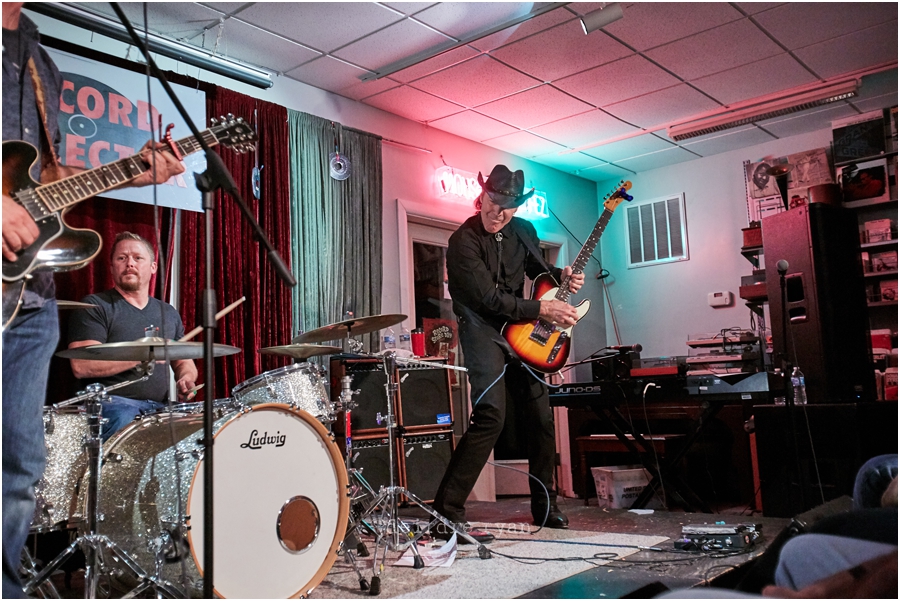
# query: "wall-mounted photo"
[[865, 180]]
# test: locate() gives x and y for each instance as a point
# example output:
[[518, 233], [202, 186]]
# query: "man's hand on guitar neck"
[[576, 281], [19, 229], [166, 165]]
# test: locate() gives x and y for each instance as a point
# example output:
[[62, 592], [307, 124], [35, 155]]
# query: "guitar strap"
[[532, 249], [49, 159]]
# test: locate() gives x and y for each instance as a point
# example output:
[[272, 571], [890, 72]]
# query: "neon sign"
[[461, 186]]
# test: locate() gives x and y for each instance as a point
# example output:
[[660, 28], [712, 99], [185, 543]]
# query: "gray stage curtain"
[[335, 225]]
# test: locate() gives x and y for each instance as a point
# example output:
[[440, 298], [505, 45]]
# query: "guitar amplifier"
[[424, 461]]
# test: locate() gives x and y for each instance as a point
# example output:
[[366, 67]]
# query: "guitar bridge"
[[541, 332], [556, 347]]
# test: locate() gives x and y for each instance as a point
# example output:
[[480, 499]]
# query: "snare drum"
[[65, 429], [298, 385], [281, 504]]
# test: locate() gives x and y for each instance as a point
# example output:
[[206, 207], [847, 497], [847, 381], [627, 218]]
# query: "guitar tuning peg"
[[240, 119], [230, 116], [213, 120]]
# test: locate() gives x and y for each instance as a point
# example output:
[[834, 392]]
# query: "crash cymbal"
[[351, 327], [145, 349], [70, 304], [300, 351]]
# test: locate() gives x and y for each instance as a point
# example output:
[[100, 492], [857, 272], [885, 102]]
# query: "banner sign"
[[104, 116]]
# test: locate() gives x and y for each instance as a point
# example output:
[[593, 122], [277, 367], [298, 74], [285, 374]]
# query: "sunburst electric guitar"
[[540, 344], [58, 246]]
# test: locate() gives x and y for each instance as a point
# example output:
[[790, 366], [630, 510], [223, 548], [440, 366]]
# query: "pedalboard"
[[718, 537]]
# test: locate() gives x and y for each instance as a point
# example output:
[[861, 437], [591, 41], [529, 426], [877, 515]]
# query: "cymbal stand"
[[101, 554], [387, 525]]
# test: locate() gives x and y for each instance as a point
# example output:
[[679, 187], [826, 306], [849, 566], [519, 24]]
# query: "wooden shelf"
[[867, 202], [878, 244], [874, 157], [876, 274], [892, 303]]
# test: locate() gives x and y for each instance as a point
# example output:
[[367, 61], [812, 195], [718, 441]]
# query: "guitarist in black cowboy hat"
[[487, 261]]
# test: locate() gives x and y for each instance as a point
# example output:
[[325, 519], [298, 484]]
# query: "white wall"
[[661, 305], [408, 173]]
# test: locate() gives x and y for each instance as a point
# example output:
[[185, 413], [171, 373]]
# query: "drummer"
[[125, 313]]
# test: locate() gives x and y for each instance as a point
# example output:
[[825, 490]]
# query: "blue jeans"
[[121, 411], [872, 479], [809, 558], [28, 345]]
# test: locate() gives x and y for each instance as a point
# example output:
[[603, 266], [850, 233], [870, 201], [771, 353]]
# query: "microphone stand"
[[215, 177], [786, 372]]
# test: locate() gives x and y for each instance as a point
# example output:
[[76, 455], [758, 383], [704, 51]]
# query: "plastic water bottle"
[[388, 340], [799, 384], [404, 343]]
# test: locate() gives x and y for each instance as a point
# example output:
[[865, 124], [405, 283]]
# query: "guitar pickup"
[[556, 347], [538, 337]]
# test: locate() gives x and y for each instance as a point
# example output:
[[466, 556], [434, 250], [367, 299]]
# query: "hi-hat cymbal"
[[70, 304], [350, 327], [300, 351], [145, 349]]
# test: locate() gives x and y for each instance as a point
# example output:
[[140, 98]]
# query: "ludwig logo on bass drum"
[[258, 442]]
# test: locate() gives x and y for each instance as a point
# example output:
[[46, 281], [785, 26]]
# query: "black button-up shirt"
[[487, 275], [21, 118]]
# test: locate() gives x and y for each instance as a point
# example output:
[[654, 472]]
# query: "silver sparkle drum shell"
[[65, 429], [281, 504], [298, 384]]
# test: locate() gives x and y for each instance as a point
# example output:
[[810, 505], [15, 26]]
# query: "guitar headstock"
[[615, 197], [234, 132]]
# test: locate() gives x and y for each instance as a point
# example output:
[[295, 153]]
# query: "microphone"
[[626, 348], [782, 266]]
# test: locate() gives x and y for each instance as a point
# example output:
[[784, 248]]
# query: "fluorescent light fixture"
[[601, 17], [186, 53], [765, 110]]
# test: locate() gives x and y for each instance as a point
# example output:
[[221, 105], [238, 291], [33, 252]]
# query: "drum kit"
[[287, 503]]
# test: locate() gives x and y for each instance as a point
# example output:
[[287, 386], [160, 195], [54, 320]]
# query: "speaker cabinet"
[[371, 455], [423, 399], [425, 458], [826, 311], [833, 441]]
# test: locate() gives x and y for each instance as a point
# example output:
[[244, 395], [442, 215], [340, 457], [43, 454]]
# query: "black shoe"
[[442, 532], [555, 518]]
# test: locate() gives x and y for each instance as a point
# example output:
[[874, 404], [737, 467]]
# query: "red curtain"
[[241, 267]]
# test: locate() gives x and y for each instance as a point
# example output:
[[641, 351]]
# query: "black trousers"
[[485, 360]]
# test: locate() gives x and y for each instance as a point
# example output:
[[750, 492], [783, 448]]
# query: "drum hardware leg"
[[350, 558], [46, 589]]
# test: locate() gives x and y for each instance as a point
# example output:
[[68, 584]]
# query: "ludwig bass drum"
[[280, 511]]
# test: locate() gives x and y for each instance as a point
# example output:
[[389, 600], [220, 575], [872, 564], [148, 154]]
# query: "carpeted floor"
[[521, 563]]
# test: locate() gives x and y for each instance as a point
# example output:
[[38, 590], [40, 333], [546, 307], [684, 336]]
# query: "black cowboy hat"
[[505, 187]]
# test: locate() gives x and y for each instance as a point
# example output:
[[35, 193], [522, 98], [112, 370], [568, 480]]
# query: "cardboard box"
[[877, 230], [888, 290], [618, 486], [884, 261]]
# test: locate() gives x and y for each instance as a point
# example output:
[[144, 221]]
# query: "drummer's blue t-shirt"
[[117, 320]]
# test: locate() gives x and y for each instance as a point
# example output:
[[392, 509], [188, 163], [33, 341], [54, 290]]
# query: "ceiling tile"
[[560, 51], [807, 121], [662, 107], [632, 147], [650, 24], [627, 78], [441, 61], [722, 48], [603, 172], [799, 24], [524, 144], [875, 103], [534, 107], [391, 44], [475, 82], [324, 26], [732, 139], [174, 19], [853, 51], [327, 73], [473, 126], [409, 8], [568, 163], [253, 45], [412, 104], [363, 89], [780, 72], [593, 126], [461, 19], [655, 160], [522, 30], [226, 7], [751, 8]]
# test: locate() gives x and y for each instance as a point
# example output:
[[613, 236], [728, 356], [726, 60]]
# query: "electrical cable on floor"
[[662, 488], [546, 492]]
